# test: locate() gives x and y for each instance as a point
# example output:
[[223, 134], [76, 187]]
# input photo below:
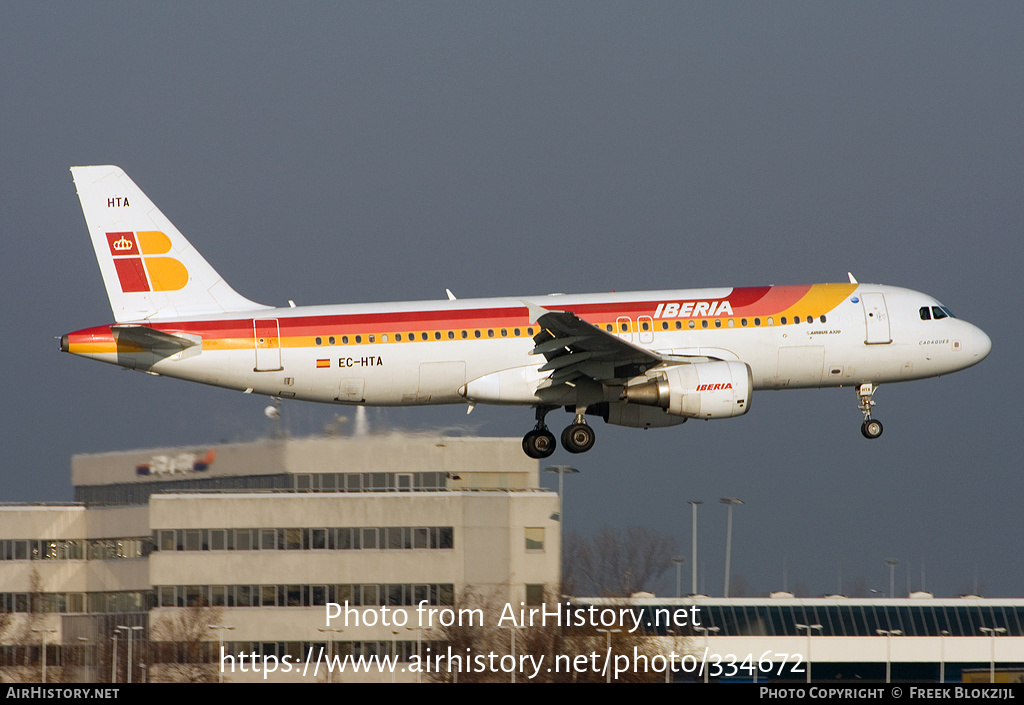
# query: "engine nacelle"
[[636, 416], [702, 390]]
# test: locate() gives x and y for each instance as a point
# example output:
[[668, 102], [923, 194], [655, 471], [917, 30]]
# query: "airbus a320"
[[643, 359]]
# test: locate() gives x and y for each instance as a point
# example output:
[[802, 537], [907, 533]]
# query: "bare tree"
[[181, 646], [29, 636], [616, 563]]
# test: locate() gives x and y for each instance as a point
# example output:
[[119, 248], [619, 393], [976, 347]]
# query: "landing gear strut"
[[540, 442], [871, 428]]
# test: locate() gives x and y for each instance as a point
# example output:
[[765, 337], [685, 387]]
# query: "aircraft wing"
[[577, 349]]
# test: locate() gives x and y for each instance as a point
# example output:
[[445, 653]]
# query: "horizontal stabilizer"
[[155, 340]]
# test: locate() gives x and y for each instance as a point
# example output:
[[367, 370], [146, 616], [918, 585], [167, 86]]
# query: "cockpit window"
[[935, 313]]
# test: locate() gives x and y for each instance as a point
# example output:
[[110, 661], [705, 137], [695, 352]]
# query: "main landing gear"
[[871, 428], [578, 437]]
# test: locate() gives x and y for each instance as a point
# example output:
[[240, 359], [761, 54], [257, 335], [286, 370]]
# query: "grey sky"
[[346, 152]]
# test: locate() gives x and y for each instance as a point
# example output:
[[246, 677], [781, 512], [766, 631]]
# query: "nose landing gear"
[[871, 428]]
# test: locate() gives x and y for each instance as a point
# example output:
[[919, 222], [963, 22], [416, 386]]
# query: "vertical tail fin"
[[150, 270]]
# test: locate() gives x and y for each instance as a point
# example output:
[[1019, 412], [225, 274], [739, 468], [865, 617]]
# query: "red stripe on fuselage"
[[744, 301]]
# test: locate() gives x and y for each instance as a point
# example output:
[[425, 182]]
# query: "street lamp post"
[[731, 502], [693, 582], [707, 646], [128, 633], [113, 661], [942, 655], [809, 627], [892, 563], [131, 638], [419, 657], [561, 470], [219, 628], [679, 560], [44, 632], [992, 632], [330, 649], [608, 633], [888, 634]]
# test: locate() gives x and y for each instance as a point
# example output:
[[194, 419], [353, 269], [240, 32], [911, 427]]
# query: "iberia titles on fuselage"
[[642, 359]]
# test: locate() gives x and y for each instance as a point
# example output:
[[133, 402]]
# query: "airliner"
[[643, 359]]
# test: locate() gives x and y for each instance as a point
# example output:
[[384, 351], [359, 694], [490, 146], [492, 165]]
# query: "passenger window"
[[822, 319], [504, 332], [704, 323], [371, 338], [771, 322], [692, 324], [515, 332], [331, 340], [757, 321], [743, 322], [718, 323], [664, 325], [398, 337], [731, 323], [476, 333], [319, 341], [490, 332], [451, 335], [359, 338], [679, 325], [437, 335], [344, 340]]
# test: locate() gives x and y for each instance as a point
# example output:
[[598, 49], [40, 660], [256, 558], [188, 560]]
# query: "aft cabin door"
[[267, 336], [876, 319]]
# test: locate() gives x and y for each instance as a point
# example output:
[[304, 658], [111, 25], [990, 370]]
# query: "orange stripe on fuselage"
[[300, 332]]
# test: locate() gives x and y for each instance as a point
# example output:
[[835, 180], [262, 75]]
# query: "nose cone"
[[982, 345]]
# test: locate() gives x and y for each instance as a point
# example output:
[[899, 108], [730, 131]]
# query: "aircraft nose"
[[982, 344]]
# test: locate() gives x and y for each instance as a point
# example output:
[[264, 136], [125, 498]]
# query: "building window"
[[534, 538], [534, 595]]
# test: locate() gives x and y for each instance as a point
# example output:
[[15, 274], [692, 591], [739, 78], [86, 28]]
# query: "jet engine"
[[701, 390]]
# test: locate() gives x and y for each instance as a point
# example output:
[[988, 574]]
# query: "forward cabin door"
[[267, 335], [876, 320]]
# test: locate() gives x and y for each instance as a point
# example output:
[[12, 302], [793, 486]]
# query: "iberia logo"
[[179, 464], [140, 268]]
